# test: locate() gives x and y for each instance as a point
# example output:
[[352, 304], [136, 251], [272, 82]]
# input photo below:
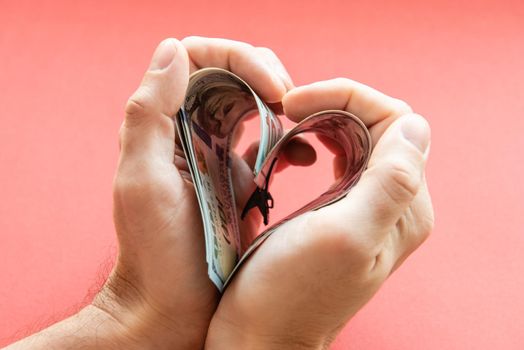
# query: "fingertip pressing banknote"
[[234, 199]]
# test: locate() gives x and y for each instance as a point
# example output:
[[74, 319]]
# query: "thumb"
[[392, 180], [148, 132]]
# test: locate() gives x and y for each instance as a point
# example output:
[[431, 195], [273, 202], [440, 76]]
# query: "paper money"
[[234, 199]]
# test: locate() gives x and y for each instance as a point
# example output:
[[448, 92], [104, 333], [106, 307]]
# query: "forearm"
[[90, 328], [113, 322], [226, 336]]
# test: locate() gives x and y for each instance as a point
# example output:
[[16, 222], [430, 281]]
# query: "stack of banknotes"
[[234, 196]]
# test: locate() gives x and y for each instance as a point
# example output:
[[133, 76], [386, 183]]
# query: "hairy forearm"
[[91, 328], [114, 321]]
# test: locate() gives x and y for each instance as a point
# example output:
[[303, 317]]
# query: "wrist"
[[110, 334], [227, 336], [90, 328], [141, 323]]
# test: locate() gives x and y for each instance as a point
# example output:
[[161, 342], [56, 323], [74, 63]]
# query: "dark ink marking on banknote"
[[201, 133], [261, 198], [219, 152]]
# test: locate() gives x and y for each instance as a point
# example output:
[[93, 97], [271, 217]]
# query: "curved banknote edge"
[[216, 101]]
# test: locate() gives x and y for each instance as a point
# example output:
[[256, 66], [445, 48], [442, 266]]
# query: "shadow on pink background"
[[66, 70]]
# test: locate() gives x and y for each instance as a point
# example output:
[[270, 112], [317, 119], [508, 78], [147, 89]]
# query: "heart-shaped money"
[[216, 102]]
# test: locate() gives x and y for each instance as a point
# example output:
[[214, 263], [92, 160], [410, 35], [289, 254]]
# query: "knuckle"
[[123, 187], [421, 232], [137, 189], [140, 104], [135, 106], [195, 41], [426, 225], [139, 182], [340, 81], [132, 178], [401, 107], [337, 240], [399, 181], [414, 227], [191, 40], [266, 51], [239, 52], [239, 44]]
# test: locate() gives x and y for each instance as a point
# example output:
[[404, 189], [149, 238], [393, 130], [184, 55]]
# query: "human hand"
[[159, 289], [316, 271], [158, 295]]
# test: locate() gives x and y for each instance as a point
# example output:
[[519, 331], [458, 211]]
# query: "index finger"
[[259, 67], [376, 109]]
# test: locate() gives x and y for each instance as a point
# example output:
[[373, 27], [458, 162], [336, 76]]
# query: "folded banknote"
[[233, 197]]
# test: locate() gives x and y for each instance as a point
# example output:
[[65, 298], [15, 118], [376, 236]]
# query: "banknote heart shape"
[[227, 190]]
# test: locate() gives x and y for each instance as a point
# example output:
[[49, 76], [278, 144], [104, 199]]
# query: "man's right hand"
[[316, 271]]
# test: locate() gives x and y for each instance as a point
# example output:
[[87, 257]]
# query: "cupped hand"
[[316, 271], [159, 290]]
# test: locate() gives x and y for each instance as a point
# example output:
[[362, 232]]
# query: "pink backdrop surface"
[[67, 68]]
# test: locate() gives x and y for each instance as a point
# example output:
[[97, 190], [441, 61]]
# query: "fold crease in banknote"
[[233, 197]]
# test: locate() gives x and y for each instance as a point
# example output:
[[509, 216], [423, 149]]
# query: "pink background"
[[66, 70]]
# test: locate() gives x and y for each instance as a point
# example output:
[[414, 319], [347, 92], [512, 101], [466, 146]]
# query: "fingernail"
[[163, 56], [416, 130]]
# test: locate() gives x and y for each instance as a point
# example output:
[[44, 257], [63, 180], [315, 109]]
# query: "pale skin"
[[306, 281]]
